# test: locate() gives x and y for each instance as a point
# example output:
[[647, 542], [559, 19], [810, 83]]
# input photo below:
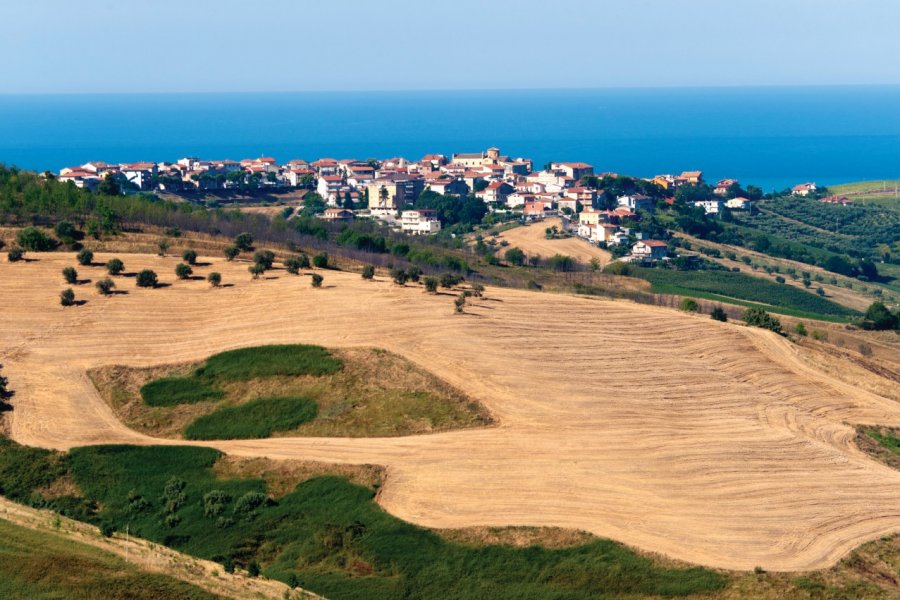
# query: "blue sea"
[[771, 137]]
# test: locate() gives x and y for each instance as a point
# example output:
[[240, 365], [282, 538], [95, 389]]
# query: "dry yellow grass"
[[532, 240], [708, 442]]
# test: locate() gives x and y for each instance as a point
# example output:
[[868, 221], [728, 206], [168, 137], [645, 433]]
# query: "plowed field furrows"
[[706, 441]]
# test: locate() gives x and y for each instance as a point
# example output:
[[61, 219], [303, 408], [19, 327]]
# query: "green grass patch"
[[727, 286], [256, 419], [332, 538], [171, 391], [38, 564], [887, 440], [269, 361]]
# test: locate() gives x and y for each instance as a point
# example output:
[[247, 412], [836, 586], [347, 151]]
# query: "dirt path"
[[705, 441], [532, 240], [151, 557]]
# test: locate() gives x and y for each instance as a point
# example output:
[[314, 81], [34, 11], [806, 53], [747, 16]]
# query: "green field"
[[38, 564], [876, 193], [256, 419], [745, 290], [171, 391]]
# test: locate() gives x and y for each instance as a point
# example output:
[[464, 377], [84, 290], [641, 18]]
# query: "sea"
[[769, 137]]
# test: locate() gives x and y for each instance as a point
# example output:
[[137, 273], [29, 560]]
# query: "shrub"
[[190, 257], [146, 279], [399, 276], [719, 314], [534, 285], [15, 254], [292, 265], [214, 279], [689, 305], [214, 503], [303, 261], [779, 279], [819, 335], [368, 272], [460, 303], [243, 241], [515, 256], [619, 268], [265, 258], [477, 290], [317, 280], [413, 273], [115, 266], [228, 565], [85, 257], [66, 232], [67, 297], [70, 275], [800, 329], [231, 252], [256, 269], [431, 285], [105, 286], [865, 350], [820, 291], [32, 238], [757, 317], [561, 262], [448, 280], [320, 261], [249, 502], [878, 317], [253, 569], [162, 246], [183, 271]]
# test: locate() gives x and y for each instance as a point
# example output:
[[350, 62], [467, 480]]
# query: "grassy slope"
[[255, 419], [752, 291], [881, 193], [38, 564]]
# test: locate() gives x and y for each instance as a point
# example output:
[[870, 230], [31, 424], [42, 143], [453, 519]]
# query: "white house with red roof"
[[573, 170], [804, 189], [650, 250]]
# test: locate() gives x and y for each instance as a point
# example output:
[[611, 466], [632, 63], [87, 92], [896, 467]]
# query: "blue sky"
[[61, 46]]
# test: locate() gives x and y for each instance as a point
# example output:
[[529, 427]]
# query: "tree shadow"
[[118, 293], [202, 264], [79, 302], [81, 282], [226, 285], [162, 285]]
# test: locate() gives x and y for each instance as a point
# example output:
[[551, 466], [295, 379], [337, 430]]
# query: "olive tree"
[[368, 272], [190, 257], [146, 278], [115, 266], [231, 252], [105, 286], [67, 297], [85, 257], [183, 271], [15, 254], [317, 280], [214, 279], [70, 275]]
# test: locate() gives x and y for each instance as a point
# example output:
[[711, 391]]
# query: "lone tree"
[[431, 285], [460, 303], [105, 286], [718, 314], [70, 275], [182, 271], [162, 246], [67, 297], [256, 269], [190, 257], [214, 279], [115, 266], [231, 252], [244, 241], [265, 258], [320, 261], [317, 280], [368, 272], [15, 254], [146, 278], [399, 276], [85, 258]]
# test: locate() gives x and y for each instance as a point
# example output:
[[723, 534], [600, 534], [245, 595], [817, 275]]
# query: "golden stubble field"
[[708, 442]]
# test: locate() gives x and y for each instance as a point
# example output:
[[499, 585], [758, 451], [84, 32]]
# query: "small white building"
[[419, 222], [635, 202], [710, 207], [804, 189], [650, 249], [738, 204]]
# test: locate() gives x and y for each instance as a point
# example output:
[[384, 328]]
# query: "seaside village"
[[387, 189]]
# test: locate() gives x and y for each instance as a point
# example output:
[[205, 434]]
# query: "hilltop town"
[[591, 205]]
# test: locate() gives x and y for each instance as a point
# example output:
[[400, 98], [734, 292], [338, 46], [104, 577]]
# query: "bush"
[[70, 275], [800, 329], [67, 297], [689, 305], [719, 314], [448, 280], [515, 256], [619, 268], [182, 271], [115, 266], [162, 246], [399, 276], [293, 265], [368, 272], [243, 241], [15, 255], [431, 285], [66, 232], [460, 303], [85, 257], [105, 286], [879, 318], [214, 279], [32, 238], [757, 317], [190, 257], [253, 569], [256, 269], [413, 273], [779, 279], [146, 279], [317, 280], [232, 252], [320, 261], [265, 258]]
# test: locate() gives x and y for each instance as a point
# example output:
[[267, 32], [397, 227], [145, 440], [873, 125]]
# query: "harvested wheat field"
[[705, 441], [532, 240]]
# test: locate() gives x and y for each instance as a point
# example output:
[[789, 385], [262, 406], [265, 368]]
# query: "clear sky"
[[62, 46]]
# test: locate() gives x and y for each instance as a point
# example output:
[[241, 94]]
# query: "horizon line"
[[457, 90]]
